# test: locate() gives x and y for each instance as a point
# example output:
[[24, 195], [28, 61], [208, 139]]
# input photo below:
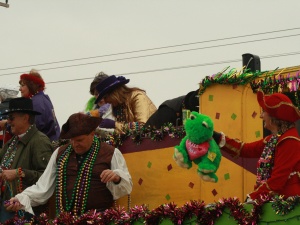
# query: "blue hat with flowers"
[[109, 84]]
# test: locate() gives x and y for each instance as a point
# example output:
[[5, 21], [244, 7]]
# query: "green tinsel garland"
[[137, 136], [266, 81], [233, 77], [140, 134], [283, 207]]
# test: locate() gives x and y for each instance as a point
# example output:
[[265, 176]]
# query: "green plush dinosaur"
[[199, 147]]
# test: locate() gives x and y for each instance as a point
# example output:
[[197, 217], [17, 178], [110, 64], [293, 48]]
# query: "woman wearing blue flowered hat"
[[131, 106]]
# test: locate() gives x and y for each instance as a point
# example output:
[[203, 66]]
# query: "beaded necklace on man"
[[9, 158], [81, 187], [11, 152], [266, 161]]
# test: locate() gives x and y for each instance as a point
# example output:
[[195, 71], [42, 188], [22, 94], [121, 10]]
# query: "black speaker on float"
[[251, 62]]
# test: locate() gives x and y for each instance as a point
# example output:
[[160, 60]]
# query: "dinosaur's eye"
[[192, 117], [204, 124]]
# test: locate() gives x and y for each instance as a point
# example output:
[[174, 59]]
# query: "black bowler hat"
[[109, 84], [20, 105]]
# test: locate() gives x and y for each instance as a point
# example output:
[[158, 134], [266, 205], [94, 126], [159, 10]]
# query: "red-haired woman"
[[32, 86]]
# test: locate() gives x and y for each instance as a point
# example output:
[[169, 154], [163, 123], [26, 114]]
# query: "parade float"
[[163, 193], [229, 98]]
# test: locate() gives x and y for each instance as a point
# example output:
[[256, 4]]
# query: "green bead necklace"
[[81, 188], [266, 161], [10, 154], [119, 113]]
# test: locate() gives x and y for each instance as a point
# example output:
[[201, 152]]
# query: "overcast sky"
[[116, 37]]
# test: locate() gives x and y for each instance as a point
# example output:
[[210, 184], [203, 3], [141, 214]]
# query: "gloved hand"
[[217, 137], [107, 123], [103, 109]]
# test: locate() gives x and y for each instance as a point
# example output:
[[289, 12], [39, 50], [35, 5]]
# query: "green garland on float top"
[[232, 77], [267, 81]]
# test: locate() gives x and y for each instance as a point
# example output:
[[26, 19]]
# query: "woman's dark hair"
[[98, 78]]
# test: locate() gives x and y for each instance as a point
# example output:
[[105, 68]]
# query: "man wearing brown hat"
[[86, 173], [25, 156]]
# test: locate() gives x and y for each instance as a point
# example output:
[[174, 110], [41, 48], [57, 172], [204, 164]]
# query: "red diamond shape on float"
[[140, 181], [214, 192], [191, 185], [169, 167]]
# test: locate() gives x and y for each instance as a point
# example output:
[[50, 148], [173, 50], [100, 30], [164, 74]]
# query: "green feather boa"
[[90, 104]]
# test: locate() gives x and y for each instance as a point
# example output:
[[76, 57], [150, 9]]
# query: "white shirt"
[[108, 115], [40, 192]]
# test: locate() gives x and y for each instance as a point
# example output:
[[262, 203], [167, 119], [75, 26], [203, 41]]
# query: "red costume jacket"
[[285, 174]]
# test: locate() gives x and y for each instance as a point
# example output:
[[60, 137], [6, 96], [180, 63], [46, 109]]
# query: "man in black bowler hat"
[[25, 156]]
